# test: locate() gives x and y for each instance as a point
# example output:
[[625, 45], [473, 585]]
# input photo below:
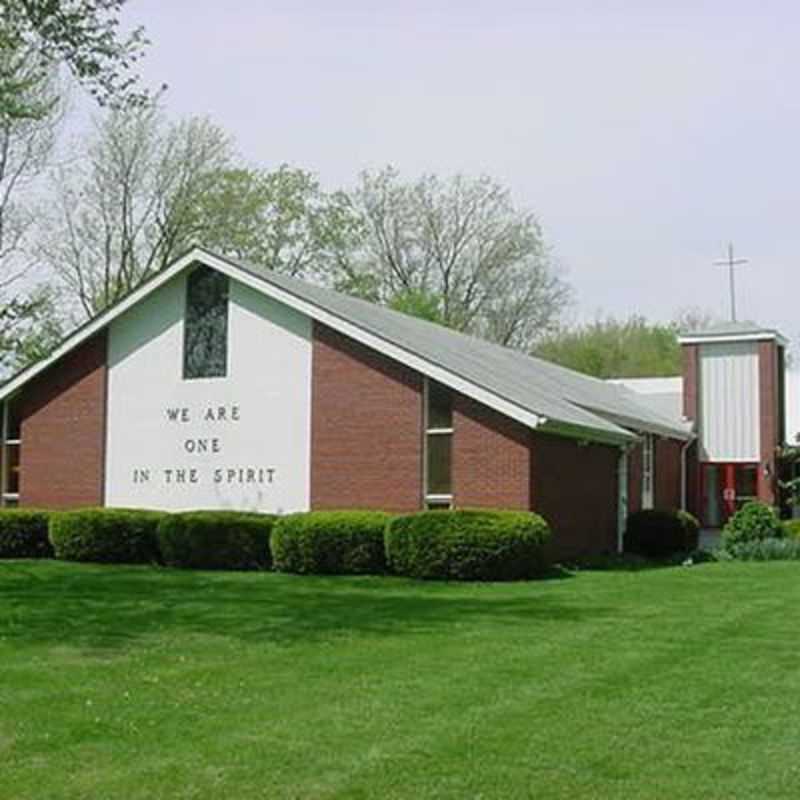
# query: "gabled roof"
[[535, 392]]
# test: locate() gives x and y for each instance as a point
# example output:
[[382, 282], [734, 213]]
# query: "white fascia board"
[[760, 336], [648, 427], [309, 309], [98, 323], [392, 351]]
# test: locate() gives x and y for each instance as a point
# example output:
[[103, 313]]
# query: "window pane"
[[746, 481], [438, 505], [13, 431], [12, 480], [205, 353], [440, 407], [439, 481]]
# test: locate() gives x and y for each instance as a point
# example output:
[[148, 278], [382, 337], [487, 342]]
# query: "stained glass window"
[[205, 345]]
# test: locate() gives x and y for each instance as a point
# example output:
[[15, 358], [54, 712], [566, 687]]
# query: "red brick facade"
[[63, 431], [574, 486], [668, 473], [491, 458], [769, 406], [366, 427]]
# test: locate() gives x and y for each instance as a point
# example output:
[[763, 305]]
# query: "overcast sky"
[[644, 135]]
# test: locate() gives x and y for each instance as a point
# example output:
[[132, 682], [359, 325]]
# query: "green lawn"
[[138, 683]]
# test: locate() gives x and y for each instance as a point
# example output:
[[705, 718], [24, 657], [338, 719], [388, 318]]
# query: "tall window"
[[648, 471], [438, 446], [205, 343], [11, 444]]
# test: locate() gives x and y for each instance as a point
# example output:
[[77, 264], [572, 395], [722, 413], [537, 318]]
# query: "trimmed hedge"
[[216, 539], [106, 535], [330, 542], [24, 533], [660, 533], [752, 523], [467, 545]]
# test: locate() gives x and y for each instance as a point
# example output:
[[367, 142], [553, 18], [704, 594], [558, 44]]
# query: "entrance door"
[[726, 488]]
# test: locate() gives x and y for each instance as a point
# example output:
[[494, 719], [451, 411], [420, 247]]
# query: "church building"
[[218, 384]]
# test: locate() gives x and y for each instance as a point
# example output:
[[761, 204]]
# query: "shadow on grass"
[[107, 607]]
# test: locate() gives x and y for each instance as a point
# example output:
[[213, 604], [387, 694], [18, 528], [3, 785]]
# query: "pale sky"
[[644, 135]]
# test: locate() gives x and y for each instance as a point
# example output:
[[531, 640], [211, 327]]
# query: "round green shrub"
[[751, 523], [24, 533], [660, 533], [467, 545], [106, 535], [216, 540], [330, 543]]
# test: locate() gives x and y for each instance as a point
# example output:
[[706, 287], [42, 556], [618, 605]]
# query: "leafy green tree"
[[83, 35], [280, 219], [611, 348], [30, 328]]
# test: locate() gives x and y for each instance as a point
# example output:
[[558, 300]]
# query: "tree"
[[83, 35], [30, 328], [477, 263], [29, 322], [280, 219], [128, 208], [611, 348]]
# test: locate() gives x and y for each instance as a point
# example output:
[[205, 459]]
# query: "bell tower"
[[733, 391]]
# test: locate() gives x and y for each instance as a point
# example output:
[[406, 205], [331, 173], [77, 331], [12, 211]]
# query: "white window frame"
[[648, 471], [431, 498]]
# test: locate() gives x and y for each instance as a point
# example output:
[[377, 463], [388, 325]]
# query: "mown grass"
[[122, 682]]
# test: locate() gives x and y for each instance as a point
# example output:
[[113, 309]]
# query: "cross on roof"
[[730, 262]]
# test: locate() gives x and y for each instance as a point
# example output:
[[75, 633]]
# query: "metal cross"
[[730, 262]]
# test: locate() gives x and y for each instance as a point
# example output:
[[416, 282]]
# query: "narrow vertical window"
[[10, 462], [438, 446], [648, 471], [205, 341]]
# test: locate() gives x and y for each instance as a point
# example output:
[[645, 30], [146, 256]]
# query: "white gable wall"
[[729, 426], [237, 442]]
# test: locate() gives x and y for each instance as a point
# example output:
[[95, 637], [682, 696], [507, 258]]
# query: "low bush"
[[751, 523], [770, 549], [106, 535], [660, 533], [216, 540], [24, 534], [791, 528], [467, 545], [330, 543]]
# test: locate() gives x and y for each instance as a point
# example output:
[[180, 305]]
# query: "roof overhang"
[[265, 287], [714, 338]]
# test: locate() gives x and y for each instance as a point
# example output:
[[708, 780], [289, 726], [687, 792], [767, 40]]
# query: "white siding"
[[729, 405], [259, 460]]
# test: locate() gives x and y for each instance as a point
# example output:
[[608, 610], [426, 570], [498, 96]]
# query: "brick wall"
[[63, 414], [668, 473], [491, 458], [366, 428], [691, 372], [769, 410], [574, 486]]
